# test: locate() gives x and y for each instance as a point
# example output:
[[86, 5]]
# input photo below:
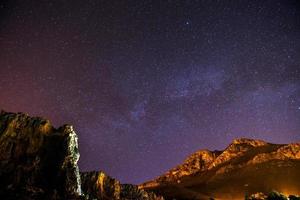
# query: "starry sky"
[[146, 83]]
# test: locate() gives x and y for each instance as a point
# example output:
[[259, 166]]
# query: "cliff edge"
[[38, 161]]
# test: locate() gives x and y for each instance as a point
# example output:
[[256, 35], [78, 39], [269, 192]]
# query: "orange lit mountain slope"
[[246, 166]]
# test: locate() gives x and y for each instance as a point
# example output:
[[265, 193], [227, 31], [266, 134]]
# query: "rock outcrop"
[[246, 165], [199, 161], [99, 185], [274, 195], [38, 161]]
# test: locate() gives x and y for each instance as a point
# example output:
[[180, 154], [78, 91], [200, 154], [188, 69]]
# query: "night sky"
[[146, 83]]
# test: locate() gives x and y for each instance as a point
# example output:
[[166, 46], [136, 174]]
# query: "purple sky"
[[146, 83]]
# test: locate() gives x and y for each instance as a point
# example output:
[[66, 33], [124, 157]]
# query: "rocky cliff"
[[99, 185], [245, 166], [38, 161]]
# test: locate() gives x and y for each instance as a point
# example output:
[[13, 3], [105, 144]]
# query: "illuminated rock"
[[38, 161], [245, 166]]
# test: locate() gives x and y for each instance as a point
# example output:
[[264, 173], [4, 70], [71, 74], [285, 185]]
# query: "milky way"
[[146, 83]]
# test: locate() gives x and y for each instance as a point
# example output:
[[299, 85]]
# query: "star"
[[153, 80]]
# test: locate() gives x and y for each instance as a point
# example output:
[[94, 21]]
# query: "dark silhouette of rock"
[[274, 195], [293, 197]]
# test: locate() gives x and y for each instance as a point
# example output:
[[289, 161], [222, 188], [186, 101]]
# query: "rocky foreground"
[[38, 161]]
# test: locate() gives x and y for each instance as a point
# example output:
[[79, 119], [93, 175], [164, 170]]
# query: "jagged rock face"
[[203, 160], [97, 185], [199, 161], [130, 192], [37, 161], [246, 165]]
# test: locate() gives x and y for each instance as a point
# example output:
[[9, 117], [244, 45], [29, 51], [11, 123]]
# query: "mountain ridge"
[[209, 169], [38, 161]]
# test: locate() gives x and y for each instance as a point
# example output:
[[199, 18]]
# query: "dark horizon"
[[147, 83]]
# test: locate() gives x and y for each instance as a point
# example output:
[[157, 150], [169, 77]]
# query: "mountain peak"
[[252, 142], [251, 163]]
